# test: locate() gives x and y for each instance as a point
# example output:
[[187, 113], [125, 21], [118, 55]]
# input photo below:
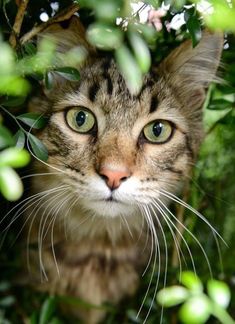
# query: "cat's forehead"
[[102, 85]]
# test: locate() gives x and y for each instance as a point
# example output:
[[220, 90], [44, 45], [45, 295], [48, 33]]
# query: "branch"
[[61, 16], [18, 23]]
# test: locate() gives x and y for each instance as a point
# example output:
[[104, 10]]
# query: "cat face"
[[116, 151]]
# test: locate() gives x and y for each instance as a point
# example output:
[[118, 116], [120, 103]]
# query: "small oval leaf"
[[191, 281], [38, 148], [196, 310], [6, 139], [33, 120], [10, 184], [141, 51], [19, 139], [219, 292], [172, 296], [47, 310], [14, 157], [68, 73]]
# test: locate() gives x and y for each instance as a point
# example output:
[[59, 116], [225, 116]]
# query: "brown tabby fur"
[[88, 247]]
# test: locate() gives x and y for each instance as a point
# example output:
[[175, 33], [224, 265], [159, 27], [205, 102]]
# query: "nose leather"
[[114, 177]]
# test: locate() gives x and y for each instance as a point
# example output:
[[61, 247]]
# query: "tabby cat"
[[115, 160]]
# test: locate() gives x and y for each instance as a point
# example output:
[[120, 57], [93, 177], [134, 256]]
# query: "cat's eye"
[[158, 131], [80, 119]]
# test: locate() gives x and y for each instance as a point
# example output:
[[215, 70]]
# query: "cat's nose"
[[114, 178]]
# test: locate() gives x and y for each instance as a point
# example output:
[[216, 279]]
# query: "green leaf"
[[19, 139], [38, 148], [193, 25], [191, 281], [7, 301], [219, 104], [6, 139], [107, 10], [48, 309], [219, 292], [129, 69], [10, 184], [196, 310], [13, 101], [30, 48], [141, 51], [104, 36], [172, 296], [14, 157], [33, 120], [68, 73], [49, 80]]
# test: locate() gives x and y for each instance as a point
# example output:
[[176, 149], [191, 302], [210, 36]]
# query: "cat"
[[115, 161]]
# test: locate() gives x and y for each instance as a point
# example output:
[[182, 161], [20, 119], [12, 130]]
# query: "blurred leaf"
[[7, 60], [7, 301], [154, 3], [19, 139], [141, 51], [6, 139], [48, 309], [219, 104], [4, 286], [33, 120], [104, 36], [193, 25], [38, 147], [14, 85], [68, 73], [14, 157], [191, 281], [13, 101], [10, 184], [172, 296], [49, 80], [219, 292], [30, 48], [196, 310], [129, 69], [107, 10], [222, 17]]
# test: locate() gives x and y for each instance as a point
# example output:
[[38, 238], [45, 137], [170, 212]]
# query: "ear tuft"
[[189, 70]]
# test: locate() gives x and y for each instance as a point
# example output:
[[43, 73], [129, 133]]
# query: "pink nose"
[[114, 178]]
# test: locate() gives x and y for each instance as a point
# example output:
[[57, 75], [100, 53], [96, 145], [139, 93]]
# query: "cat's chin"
[[109, 208]]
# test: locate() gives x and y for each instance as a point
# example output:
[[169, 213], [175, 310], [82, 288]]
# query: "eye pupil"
[[157, 129], [80, 118]]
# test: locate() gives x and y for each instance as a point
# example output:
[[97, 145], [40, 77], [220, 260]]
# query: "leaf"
[[6, 139], [172, 296], [106, 10], [68, 73], [129, 69], [7, 301], [10, 184], [220, 104], [30, 48], [14, 157], [104, 36], [48, 308], [196, 310], [33, 120], [49, 80], [13, 101], [219, 292], [193, 25], [19, 139], [191, 281], [141, 51], [38, 148]]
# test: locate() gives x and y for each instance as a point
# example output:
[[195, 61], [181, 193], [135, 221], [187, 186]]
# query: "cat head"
[[114, 151]]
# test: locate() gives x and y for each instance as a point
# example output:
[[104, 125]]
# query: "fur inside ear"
[[189, 70]]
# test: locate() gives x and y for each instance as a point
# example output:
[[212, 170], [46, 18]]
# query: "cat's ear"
[[189, 70], [67, 36]]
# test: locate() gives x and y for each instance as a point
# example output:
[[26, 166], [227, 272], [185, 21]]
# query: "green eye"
[[158, 131], [80, 119]]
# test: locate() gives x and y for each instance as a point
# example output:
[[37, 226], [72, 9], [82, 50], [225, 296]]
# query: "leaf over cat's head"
[[189, 70]]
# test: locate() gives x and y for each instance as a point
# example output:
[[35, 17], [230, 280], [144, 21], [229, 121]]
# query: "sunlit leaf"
[[106, 10], [222, 17], [196, 310], [141, 51], [129, 69], [10, 184], [219, 292], [38, 148], [191, 281], [172, 296], [14, 157], [14, 85], [33, 120], [104, 36], [219, 104]]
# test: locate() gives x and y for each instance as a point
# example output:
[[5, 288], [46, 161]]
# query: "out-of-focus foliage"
[[121, 27]]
